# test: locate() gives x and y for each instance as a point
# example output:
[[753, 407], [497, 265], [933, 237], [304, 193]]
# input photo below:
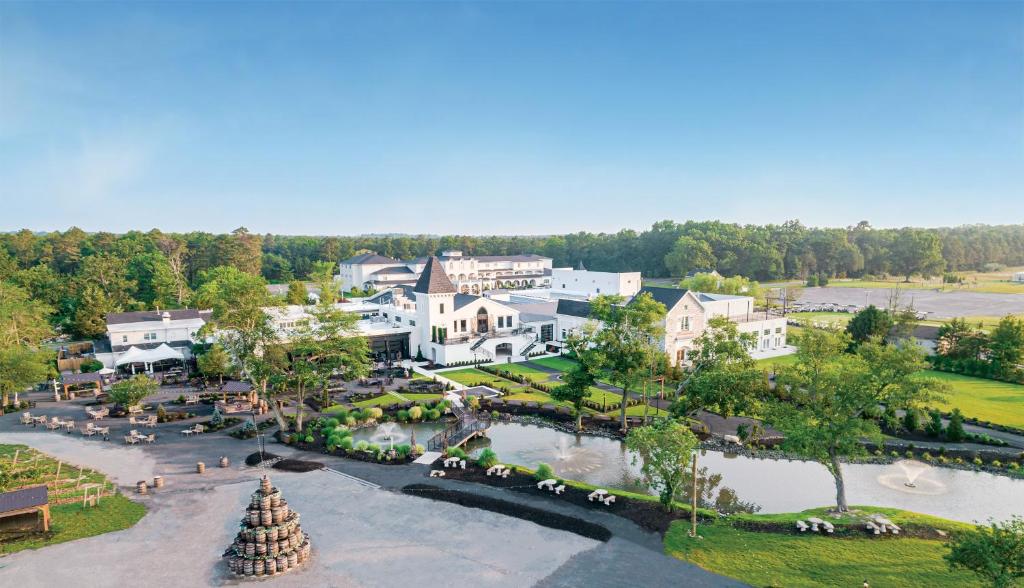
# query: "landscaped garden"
[[983, 399], [66, 485]]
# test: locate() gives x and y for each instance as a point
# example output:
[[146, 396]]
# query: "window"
[[778, 330], [462, 325], [598, 290], [563, 335], [501, 322], [124, 338], [149, 337], [685, 323], [412, 323], [385, 315], [442, 308], [433, 334], [508, 322], [767, 331], [398, 319]]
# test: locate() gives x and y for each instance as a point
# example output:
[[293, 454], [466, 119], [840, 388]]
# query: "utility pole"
[[693, 503]]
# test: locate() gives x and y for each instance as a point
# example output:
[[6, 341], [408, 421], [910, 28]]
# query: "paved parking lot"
[[937, 304]]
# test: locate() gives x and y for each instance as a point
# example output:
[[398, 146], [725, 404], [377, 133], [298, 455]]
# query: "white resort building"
[[470, 274], [138, 341]]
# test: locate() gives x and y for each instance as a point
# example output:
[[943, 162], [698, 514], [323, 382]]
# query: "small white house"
[[136, 341], [1018, 277]]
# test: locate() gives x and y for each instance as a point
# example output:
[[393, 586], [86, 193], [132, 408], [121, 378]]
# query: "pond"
[[732, 482]]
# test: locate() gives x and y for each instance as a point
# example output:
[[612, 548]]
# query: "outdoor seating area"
[[879, 525], [454, 462], [194, 430], [149, 421], [98, 413], [134, 437], [601, 495], [499, 470]]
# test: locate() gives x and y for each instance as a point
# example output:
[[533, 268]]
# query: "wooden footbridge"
[[462, 430]]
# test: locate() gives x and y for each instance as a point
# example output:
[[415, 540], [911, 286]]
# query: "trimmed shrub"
[[544, 472], [362, 445], [345, 443], [402, 415], [308, 439], [487, 458], [216, 419], [415, 413]]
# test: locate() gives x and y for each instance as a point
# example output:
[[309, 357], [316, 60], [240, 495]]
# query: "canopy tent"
[[136, 355]]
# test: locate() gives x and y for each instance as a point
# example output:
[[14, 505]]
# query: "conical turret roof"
[[434, 280]]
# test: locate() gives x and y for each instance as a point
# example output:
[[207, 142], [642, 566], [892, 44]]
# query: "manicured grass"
[[778, 559], [773, 559], [780, 361], [988, 400], [983, 284], [473, 376], [389, 399], [638, 411], [523, 369], [562, 364], [532, 396]]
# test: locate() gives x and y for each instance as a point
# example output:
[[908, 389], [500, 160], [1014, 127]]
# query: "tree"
[[21, 367], [917, 251], [689, 254], [626, 343], [215, 362], [995, 552], [297, 293], [327, 344], [870, 323], [575, 389], [1006, 345], [663, 450], [725, 378], [23, 321], [825, 395], [130, 392]]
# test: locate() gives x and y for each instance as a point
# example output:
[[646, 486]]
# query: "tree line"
[[82, 276]]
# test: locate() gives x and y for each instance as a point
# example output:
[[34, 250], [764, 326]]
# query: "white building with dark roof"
[[142, 339], [470, 274]]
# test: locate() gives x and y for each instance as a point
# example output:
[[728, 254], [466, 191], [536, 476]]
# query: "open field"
[[781, 361], [71, 520], [833, 319], [561, 364], [777, 559], [523, 369], [988, 400]]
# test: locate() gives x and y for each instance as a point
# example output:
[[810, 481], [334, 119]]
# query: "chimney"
[[166, 318]]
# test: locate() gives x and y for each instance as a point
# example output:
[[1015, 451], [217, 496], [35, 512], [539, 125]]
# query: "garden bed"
[[647, 513], [527, 513]]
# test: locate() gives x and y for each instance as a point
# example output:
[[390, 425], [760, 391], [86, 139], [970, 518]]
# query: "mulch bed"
[[254, 459], [511, 509], [648, 515], [850, 529], [298, 465]]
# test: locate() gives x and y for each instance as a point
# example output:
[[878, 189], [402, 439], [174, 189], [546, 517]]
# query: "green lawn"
[[389, 399], [562, 364], [781, 361], [638, 411], [473, 376], [777, 559], [523, 369], [836, 319], [988, 400], [994, 286]]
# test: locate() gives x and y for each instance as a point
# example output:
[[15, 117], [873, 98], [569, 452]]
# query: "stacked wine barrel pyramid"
[[270, 540]]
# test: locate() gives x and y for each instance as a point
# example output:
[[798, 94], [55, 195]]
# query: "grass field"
[[781, 361], [973, 283], [389, 399], [523, 369], [561, 364], [776, 559], [988, 400], [473, 376], [638, 411], [833, 319], [67, 521]]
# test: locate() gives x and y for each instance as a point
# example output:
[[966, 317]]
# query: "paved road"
[[937, 304]]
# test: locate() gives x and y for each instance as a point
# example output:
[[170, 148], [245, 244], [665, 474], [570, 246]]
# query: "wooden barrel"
[[158, 481], [260, 536], [266, 517], [286, 546], [272, 534], [275, 514], [261, 548], [271, 567], [254, 518], [258, 567], [273, 549], [200, 467], [265, 485], [265, 503], [293, 558], [295, 540], [224, 462], [285, 511], [247, 567], [140, 487], [275, 499], [283, 563], [250, 550]]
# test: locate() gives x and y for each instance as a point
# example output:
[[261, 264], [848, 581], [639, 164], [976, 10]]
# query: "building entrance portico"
[[481, 321]]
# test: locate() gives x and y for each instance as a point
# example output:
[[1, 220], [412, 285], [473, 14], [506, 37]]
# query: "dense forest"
[[82, 276]]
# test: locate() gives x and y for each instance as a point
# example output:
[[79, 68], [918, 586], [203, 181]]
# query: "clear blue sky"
[[486, 118]]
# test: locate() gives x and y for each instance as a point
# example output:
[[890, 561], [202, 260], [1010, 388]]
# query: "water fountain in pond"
[[388, 432], [575, 460], [909, 476]]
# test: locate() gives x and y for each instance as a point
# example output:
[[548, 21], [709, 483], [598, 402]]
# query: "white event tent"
[[148, 357]]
